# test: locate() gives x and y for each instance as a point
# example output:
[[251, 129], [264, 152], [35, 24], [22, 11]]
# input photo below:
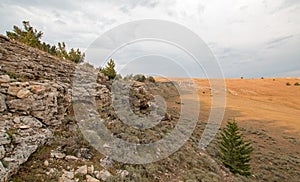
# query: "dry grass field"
[[268, 111], [259, 103]]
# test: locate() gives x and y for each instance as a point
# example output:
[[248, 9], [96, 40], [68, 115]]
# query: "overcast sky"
[[258, 38]]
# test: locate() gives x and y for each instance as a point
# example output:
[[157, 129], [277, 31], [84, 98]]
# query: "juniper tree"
[[235, 152]]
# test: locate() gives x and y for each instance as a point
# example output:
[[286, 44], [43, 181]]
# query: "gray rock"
[[3, 172], [20, 104], [3, 106], [123, 173], [31, 121], [17, 120], [84, 153], [58, 155], [2, 151], [4, 138], [28, 108], [68, 174], [106, 162]]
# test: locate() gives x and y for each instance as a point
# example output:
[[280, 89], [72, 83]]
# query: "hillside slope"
[[268, 110], [40, 139]]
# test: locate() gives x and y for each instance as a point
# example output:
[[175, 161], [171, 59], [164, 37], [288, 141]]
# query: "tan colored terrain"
[[259, 103]]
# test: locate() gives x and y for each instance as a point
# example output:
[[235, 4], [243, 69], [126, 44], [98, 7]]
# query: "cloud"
[[249, 38], [278, 41], [289, 3], [127, 6]]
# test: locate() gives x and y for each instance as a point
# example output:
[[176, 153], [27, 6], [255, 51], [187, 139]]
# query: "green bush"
[[109, 70], [151, 79], [139, 78]]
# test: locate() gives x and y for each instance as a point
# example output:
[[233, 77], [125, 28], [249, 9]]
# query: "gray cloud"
[[289, 3], [278, 41], [254, 39], [53, 4], [127, 6]]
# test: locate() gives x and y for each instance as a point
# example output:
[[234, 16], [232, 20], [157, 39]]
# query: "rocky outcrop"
[[35, 95]]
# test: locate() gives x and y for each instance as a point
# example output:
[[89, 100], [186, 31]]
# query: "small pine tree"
[[234, 150], [32, 37], [29, 35], [109, 70]]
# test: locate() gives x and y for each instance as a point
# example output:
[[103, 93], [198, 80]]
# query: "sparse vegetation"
[[297, 84], [32, 37], [151, 79], [139, 78], [288, 84], [234, 151]]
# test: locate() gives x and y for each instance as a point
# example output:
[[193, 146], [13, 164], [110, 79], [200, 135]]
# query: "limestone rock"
[[4, 138], [3, 106], [58, 155], [20, 104], [23, 93], [90, 170], [68, 174], [84, 153], [81, 170], [103, 174], [13, 90], [3, 172], [23, 127], [37, 89], [2, 151], [46, 163], [70, 157], [64, 179], [38, 97], [106, 162], [4, 78], [123, 173], [91, 179]]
